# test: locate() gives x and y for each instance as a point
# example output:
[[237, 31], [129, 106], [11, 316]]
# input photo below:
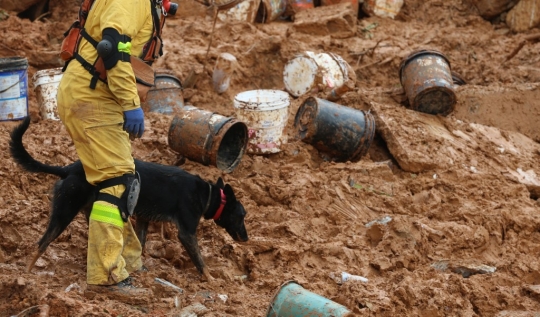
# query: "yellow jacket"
[[130, 17]]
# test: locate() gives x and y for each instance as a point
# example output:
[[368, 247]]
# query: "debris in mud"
[[169, 284], [344, 277], [465, 270]]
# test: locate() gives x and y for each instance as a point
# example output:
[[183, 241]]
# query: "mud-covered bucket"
[[244, 11], [427, 80], [266, 113], [292, 300], [46, 83], [165, 96], [208, 138], [270, 10], [341, 133], [13, 88]]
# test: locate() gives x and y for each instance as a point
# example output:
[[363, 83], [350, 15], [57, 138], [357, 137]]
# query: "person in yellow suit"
[[100, 117]]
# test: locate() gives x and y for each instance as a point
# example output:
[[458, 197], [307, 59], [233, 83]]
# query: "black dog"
[[167, 194]]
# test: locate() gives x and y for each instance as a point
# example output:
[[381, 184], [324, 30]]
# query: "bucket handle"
[[17, 82]]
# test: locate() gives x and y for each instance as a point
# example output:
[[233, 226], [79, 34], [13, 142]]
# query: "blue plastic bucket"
[[292, 300], [13, 88]]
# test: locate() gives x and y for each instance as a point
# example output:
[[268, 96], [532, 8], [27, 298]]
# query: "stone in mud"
[[484, 105], [337, 20], [489, 9], [524, 16]]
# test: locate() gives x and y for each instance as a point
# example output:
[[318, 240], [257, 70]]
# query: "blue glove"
[[134, 122]]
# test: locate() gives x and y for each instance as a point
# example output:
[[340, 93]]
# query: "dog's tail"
[[23, 158]]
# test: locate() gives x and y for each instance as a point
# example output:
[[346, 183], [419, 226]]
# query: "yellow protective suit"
[[94, 119]]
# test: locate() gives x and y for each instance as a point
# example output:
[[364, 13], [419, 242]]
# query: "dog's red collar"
[[221, 205]]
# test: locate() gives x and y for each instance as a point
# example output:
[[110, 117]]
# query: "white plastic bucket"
[[266, 113], [46, 86]]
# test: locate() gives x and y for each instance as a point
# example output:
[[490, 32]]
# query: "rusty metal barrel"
[[427, 80], [208, 138], [342, 133], [165, 96]]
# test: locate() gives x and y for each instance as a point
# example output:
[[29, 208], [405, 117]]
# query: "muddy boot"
[[124, 291]]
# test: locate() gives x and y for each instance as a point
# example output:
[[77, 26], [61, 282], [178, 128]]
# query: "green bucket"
[[13, 88], [292, 300]]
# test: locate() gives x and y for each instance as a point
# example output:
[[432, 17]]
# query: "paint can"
[[266, 113], [292, 300], [270, 10], [341, 133], [165, 96], [244, 11], [13, 88], [208, 138], [46, 83], [427, 80], [382, 8], [309, 71]]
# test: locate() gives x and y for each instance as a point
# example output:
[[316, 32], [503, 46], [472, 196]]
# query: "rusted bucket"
[[46, 83], [342, 133], [292, 300], [208, 138], [427, 80], [270, 10], [244, 11], [166, 96]]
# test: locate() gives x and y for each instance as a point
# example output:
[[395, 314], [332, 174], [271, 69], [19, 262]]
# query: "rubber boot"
[[123, 291]]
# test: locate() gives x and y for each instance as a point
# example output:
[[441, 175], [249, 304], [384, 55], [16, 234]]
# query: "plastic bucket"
[[427, 80], [166, 96], [266, 113], [46, 87], [342, 133], [208, 138], [13, 88], [292, 300]]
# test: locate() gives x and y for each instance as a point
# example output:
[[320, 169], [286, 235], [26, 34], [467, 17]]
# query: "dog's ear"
[[229, 192], [220, 183]]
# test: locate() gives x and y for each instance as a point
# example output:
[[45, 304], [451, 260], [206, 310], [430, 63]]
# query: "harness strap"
[[119, 180]]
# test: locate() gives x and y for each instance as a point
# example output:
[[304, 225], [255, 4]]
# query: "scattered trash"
[[244, 11], [342, 133], [382, 8], [169, 284], [73, 286], [434, 176], [266, 113], [46, 83], [208, 138], [43, 311], [465, 270], [383, 221], [241, 278], [165, 96], [324, 71], [427, 80], [344, 277], [221, 77], [292, 300], [223, 297]]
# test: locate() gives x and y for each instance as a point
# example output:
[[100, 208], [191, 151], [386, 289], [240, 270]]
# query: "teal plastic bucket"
[[13, 88], [292, 300]]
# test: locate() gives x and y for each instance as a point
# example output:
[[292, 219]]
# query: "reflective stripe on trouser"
[[114, 250]]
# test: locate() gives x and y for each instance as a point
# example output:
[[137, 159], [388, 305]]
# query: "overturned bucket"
[[208, 138], [46, 83], [13, 88], [266, 113], [165, 96], [342, 133], [292, 300], [427, 80]]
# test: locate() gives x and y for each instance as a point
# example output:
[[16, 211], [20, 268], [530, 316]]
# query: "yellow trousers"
[[94, 121]]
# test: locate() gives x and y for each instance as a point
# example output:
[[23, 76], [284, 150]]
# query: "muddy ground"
[[305, 220]]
